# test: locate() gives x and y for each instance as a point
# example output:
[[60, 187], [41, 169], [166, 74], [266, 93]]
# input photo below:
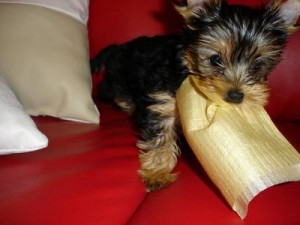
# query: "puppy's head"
[[232, 49]]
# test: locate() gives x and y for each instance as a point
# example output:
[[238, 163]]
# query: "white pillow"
[[18, 132]]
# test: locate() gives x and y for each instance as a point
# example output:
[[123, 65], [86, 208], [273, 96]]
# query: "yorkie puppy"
[[230, 48]]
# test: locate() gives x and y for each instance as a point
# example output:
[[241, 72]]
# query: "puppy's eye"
[[215, 60], [256, 67]]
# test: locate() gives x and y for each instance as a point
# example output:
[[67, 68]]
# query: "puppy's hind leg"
[[158, 145]]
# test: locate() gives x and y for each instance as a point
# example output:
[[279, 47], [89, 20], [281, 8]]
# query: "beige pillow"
[[44, 59]]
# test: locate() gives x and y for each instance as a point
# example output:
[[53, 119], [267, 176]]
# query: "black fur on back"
[[141, 67]]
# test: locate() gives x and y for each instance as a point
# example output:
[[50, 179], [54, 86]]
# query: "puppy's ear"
[[289, 11], [186, 7], [190, 8]]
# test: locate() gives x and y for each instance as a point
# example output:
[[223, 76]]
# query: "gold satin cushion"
[[45, 60], [238, 145]]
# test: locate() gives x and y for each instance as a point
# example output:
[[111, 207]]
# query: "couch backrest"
[[119, 21]]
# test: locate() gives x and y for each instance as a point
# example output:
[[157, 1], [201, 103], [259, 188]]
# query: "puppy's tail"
[[98, 62]]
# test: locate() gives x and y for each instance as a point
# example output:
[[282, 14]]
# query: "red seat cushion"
[[194, 200], [87, 175]]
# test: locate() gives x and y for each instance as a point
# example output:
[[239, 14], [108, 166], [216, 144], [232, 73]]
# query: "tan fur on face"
[[255, 95], [236, 69]]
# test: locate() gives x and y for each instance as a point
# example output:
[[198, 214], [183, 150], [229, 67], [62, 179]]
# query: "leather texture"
[[88, 173]]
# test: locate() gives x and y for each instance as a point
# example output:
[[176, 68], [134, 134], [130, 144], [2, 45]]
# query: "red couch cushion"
[[194, 200], [284, 103], [119, 21], [87, 175]]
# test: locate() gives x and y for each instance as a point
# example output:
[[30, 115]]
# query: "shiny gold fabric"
[[238, 145]]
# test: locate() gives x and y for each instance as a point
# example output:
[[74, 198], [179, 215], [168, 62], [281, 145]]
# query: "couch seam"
[[137, 210]]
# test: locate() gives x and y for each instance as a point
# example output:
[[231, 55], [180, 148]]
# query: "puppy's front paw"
[[157, 180]]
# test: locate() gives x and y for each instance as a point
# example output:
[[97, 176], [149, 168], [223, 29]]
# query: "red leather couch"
[[88, 173]]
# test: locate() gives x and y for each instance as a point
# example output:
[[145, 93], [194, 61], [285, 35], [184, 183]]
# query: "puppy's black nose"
[[235, 96]]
